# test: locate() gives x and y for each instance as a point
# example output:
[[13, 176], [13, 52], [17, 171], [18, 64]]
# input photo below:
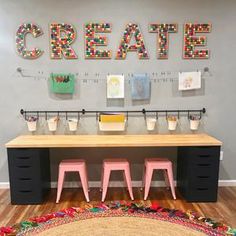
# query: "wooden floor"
[[224, 210]]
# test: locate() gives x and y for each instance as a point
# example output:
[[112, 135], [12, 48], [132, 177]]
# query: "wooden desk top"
[[157, 140]]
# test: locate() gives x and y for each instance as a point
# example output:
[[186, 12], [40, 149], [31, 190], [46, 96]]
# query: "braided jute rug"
[[119, 219]]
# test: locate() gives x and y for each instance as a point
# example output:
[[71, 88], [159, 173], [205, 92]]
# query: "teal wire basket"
[[62, 83]]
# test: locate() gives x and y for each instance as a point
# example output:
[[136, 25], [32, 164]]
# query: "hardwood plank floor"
[[224, 210]]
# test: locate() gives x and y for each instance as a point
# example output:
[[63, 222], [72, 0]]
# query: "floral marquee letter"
[[62, 36], [92, 40], [191, 40], [163, 31], [132, 30], [21, 33]]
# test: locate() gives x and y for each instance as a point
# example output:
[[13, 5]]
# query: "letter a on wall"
[[23, 30], [62, 36], [130, 31]]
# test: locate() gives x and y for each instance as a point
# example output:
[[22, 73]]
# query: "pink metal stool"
[[158, 164], [73, 165], [115, 164]]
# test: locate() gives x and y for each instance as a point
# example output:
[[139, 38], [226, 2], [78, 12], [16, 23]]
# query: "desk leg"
[[29, 174], [198, 173]]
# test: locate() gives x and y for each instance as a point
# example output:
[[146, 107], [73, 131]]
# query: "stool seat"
[[117, 160], [157, 159], [158, 163], [152, 164], [72, 165], [72, 162], [115, 164]]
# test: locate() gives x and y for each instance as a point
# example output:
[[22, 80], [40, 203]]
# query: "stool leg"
[[105, 181], [166, 179], [148, 179], [60, 184], [129, 183], [143, 179], [171, 181], [86, 175], [125, 181], [102, 177], [84, 182]]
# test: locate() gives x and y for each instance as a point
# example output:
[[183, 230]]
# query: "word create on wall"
[[62, 36]]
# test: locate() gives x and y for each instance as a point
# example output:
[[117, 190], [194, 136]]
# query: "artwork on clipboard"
[[189, 80], [115, 86], [140, 87]]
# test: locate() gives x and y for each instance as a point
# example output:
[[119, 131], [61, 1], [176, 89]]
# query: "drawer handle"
[[25, 179], [202, 189], [24, 167], [204, 156], [203, 177], [23, 158], [203, 164], [25, 191]]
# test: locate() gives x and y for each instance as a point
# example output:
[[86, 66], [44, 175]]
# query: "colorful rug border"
[[117, 209]]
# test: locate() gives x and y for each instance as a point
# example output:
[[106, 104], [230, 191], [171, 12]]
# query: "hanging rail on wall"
[[96, 77], [96, 112]]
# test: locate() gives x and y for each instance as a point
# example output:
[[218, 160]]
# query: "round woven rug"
[[123, 225], [119, 219]]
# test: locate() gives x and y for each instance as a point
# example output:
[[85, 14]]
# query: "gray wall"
[[217, 94]]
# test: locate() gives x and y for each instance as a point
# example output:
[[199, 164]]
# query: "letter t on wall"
[[163, 31]]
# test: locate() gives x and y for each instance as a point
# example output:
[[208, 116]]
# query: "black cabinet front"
[[198, 172], [29, 173]]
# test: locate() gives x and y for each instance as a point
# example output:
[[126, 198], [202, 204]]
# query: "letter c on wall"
[[23, 30]]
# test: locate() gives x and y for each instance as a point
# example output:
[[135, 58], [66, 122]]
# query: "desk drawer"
[[204, 150], [23, 160], [205, 193], [24, 156], [25, 184], [26, 196], [202, 170], [203, 180], [204, 154], [203, 159], [24, 171]]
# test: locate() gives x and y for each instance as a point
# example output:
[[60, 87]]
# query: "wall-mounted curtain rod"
[[96, 112]]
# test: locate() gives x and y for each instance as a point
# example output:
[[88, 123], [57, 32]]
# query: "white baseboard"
[[225, 183], [113, 184], [97, 184], [4, 185]]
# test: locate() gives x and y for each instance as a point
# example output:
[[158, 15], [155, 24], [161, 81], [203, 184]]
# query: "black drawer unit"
[[198, 173], [29, 173]]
